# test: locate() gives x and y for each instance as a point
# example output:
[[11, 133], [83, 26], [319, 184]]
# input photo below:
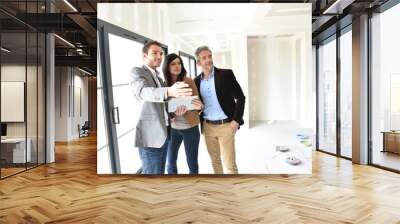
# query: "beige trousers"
[[220, 142]]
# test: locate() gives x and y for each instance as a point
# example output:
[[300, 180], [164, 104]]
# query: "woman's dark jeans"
[[191, 138]]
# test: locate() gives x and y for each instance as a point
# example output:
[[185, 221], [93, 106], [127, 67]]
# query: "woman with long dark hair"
[[184, 127]]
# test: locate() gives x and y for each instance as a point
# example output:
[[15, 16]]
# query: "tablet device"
[[186, 101]]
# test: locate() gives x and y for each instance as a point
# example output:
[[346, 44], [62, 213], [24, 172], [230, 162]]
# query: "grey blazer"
[[150, 129]]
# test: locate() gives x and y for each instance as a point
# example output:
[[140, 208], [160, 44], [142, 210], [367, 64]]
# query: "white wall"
[[223, 59], [14, 73], [239, 67], [272, 80], [307, 78], [17, 73], [33, 126], [280, 81], [79, 118], [68, 81], [61, 103]]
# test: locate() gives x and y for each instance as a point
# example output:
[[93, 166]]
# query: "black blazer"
[[230, 95]]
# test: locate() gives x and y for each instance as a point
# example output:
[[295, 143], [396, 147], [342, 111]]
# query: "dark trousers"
[[191, 138]]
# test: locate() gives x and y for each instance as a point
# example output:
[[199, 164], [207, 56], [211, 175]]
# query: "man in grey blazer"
[[151, 93]]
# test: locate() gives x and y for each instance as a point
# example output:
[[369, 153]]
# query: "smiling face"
[[205, 61], [154, 56], [175, 67]]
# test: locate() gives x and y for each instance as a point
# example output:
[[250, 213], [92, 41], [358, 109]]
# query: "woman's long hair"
[[167, 74]]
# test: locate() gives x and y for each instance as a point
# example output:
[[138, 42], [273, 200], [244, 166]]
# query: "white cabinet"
[[17, 145]]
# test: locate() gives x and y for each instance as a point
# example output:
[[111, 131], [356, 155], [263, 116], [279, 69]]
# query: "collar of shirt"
[[153, 71], [210, 76]]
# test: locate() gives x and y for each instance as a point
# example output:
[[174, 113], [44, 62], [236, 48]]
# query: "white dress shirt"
[[155, 74]]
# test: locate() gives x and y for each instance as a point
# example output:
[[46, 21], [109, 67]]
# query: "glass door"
[[22, 62], [32, 99], [124, 55], [120, 52], [14, 150]]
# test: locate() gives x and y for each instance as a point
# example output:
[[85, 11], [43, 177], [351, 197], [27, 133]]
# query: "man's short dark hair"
[[147, 45]]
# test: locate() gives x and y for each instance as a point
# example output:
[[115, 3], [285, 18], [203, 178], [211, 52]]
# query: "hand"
[[234, 126], [197, 105], [179, 89], [181, 110]]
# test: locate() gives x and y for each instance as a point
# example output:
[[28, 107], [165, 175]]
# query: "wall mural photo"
[[205, 89]]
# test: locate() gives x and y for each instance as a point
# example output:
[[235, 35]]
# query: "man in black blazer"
[[222, 115]]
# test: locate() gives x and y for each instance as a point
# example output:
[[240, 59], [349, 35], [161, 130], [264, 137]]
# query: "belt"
[[224, 121]]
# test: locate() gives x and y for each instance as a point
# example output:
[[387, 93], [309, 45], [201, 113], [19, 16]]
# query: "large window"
[[385, 89], [335, 94], [189, 62], [327, 96], [346, 93]]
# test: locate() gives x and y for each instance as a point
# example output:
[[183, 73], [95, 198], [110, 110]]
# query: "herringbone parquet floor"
[[70, 191]]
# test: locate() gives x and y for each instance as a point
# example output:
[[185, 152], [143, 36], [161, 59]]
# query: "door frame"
[[103, 30]]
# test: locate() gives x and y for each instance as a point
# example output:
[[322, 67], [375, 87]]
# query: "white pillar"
[[50, 99], [50, 93], [360, 90]]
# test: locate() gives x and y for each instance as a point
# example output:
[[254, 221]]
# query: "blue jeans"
[[153, 159], [191, 138]]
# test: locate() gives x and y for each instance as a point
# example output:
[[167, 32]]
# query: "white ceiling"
[[212, 24]]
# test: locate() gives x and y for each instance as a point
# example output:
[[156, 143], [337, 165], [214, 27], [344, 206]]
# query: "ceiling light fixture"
[[5, 50], [84, 71], [70, 5], [64, 40], [338, 6]]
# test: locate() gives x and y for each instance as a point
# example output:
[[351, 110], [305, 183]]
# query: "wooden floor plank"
[[70, 191]]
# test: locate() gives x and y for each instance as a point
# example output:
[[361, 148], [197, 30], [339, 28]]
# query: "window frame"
[[191, 58], [379, 10], [333, 37]]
